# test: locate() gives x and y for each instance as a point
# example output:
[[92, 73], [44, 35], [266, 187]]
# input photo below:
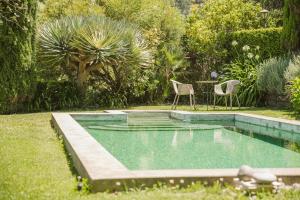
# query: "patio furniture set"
[[231, 86]]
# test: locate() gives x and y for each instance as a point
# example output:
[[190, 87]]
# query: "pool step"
[[154, 127]]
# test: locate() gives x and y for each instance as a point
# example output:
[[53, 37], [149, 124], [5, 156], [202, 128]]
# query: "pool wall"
[[105, 173]]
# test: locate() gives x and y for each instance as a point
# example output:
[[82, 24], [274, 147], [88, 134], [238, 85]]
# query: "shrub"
[[244, 69], [270, 76], [295, 94], [55, 95], [268, 39], [89, 47], [293, 70], [162, 25], [291, 24], [53, 9], [17, 38], [212, 27]]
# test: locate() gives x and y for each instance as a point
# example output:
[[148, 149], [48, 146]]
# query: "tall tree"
[[17, 38], [291, 25]]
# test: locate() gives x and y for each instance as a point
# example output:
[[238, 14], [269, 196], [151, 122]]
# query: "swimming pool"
[[151, 141], [121, 149]]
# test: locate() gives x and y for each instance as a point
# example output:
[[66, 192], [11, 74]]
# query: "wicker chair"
[[183, 89], [231, 90]]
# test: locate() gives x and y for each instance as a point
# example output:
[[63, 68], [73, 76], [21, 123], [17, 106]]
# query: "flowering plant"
[[244, 69]]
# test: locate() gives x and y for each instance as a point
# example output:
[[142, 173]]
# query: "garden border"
[[105, 173]]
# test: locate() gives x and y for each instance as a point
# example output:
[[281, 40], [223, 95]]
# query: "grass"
[[271, 112], [34, 165]]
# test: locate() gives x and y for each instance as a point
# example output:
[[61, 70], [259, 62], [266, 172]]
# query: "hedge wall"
[[268, 39], [17, 39]]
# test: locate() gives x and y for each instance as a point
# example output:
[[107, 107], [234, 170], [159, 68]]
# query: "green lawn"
[[34, 165]]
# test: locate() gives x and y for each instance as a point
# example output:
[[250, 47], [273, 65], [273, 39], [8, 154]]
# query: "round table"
[[208, 90]]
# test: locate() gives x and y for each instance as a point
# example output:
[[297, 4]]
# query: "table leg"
[[207, 93]]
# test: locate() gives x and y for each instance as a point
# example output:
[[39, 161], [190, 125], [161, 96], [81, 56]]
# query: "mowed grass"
[[34, 165]]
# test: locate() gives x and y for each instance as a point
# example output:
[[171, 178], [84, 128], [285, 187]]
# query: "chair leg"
[[191, 103], [230, 101], [237, 99], [174, 102], [177, 101], [194, 102], [214, 100], [226, 101]]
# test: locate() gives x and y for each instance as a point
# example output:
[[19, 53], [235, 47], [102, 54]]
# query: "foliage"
[[270, 76], [184, 6], [163, 26], [271, 4], [244, 69], [53, 9], [17, 38], [269, 39], [208, 27], [295, 94], [293, 70], [291, 27], [96, 47], [55, 95]]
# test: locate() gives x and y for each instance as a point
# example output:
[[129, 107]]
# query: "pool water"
[[149, 141]]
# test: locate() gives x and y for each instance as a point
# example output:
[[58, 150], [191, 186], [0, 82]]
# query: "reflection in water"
[[157, 142]]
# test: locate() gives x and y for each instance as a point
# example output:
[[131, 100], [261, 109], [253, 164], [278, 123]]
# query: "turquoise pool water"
[[154, 141]]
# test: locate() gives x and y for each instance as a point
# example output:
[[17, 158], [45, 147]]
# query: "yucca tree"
[[85, 46]]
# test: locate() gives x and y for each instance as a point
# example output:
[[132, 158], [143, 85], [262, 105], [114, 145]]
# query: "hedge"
[[268, 39], [55, 95]]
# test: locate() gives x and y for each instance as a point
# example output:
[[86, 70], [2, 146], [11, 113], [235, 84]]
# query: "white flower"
[[246, 48], [257, 47], [250, 55], [257, 57], [234, 43]]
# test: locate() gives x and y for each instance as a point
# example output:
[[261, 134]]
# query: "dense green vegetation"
[[34, 166], [291, 31], [118, 52], [17, 53], [268, 40]]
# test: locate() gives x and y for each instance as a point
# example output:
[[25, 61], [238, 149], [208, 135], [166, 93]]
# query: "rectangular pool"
[[151, 141], [116, 150]]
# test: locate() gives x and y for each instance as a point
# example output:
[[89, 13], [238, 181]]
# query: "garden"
[[95, 55]]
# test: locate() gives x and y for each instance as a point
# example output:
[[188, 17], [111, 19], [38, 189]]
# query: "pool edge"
[[109, 174]]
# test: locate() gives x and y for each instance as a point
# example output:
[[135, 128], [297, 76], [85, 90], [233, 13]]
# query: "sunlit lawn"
[[33, 164]]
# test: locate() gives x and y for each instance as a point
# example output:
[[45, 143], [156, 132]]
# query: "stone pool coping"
[[105, 173]]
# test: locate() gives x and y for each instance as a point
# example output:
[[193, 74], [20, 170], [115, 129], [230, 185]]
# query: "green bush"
[[55, 95], [268, 39], [17, 53], [291, 24], [53, 9], [295, 94], [163, 26], [213, 26], [270, 75], [293, 70], [244, 69]]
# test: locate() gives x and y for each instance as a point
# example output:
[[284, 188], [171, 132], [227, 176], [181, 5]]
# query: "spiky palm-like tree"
[[83, 46]]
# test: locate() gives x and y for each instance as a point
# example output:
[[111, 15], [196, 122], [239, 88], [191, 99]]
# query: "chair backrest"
[[175, 83], [232, 86]]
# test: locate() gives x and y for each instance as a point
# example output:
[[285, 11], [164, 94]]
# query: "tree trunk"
[[82, 76]]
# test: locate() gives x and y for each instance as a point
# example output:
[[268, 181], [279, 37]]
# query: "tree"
[[53, 9], [162, 24], [89, 47], [17, 53], [291, 25], [184, 6]]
